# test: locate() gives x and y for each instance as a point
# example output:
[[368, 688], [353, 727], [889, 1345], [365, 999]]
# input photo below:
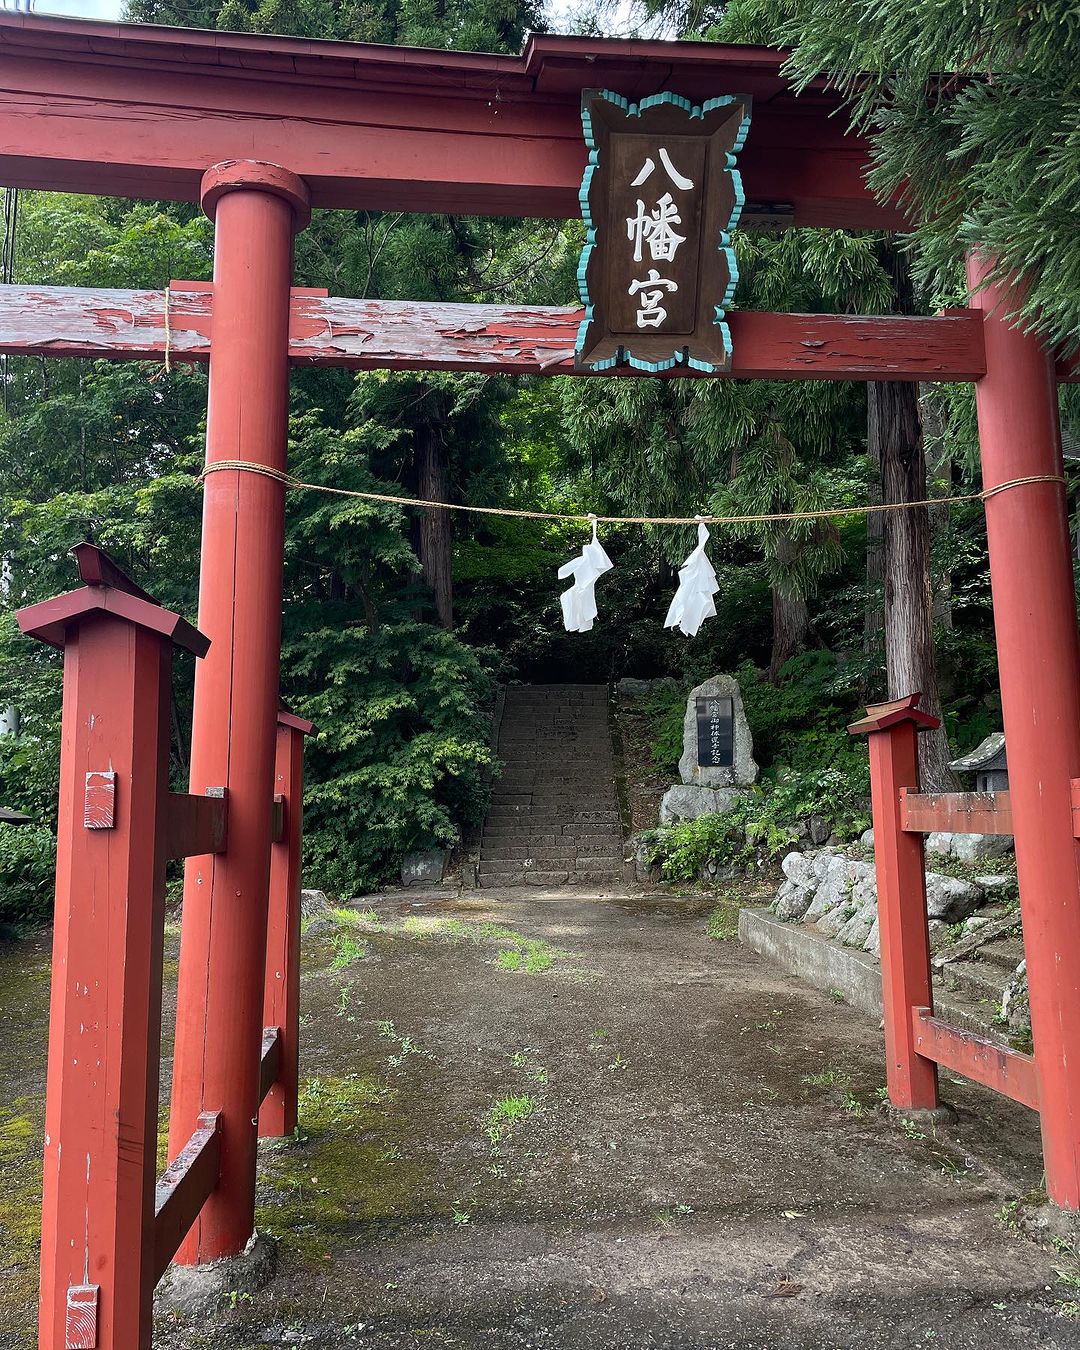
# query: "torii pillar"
[[1031, 577], [256, 209]]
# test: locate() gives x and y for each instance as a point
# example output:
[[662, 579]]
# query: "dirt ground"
[[567, 1120]]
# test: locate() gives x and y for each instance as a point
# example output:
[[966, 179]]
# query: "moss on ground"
[[20, 1214], [347, 1165]]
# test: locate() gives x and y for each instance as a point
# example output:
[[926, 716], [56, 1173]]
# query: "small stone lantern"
[[987, 763]]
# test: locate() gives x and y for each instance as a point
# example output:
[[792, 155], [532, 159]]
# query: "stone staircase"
[[968, 989], [554, 818]]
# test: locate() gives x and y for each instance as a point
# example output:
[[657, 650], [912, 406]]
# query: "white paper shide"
[[579, 602], [693, 602]]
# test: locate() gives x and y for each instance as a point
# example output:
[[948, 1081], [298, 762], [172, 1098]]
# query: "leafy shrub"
[[402, 755], [666, 710], [815, 694], [758, 828], [27, 869]]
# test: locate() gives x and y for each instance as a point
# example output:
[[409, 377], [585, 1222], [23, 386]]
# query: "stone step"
[[976, 981], [557, 769], [553, 752], [543, 862], [576, 753], [553, 781], [1005, 954], [534, 824], [544, 843], [568, 812], [557, 793], [537, 825], [589, 771], [606, 853], [490, 879], [523, 714], [968, 1015], [546, 732], [554, 818], [594, 690]]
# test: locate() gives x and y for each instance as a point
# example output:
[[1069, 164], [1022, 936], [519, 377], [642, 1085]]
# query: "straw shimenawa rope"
[[297, 484]]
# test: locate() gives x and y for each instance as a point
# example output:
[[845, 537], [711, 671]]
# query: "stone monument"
[[717, 764]]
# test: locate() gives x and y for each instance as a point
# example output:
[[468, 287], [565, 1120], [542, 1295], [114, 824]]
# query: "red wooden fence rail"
[[108, 1231]]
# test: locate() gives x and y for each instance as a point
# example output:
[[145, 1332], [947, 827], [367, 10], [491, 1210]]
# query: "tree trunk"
[[940, 468], [895, 438], [873, 614], [791, 617], [435, 556]]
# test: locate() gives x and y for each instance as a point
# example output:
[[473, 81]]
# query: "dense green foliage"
[[972, 109], [811, 768], [111, 453], [27, 858]]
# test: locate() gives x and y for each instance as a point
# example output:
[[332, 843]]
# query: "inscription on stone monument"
[[716, 732]]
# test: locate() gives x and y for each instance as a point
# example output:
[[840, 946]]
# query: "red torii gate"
[[260, 129]]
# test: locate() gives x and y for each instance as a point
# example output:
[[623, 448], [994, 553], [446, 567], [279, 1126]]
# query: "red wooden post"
[[256, 209], [893, 730], [281, 994], [1039, 672], [98, 1227]]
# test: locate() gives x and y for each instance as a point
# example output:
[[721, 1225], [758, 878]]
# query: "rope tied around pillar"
[[586, 518]]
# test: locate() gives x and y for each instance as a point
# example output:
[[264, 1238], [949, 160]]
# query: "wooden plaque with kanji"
[[660, 197]]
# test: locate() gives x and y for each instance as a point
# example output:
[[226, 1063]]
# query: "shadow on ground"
[[566, 1120]]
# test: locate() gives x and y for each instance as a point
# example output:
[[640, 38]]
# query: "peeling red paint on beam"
[[183, 1187], [1005, 1071], [368, 334], [270, 1063], [496, 339], [113, 324], [512, 340], [956, 812]]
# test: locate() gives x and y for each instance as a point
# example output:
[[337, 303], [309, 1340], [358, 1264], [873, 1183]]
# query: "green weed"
[[723, 923], [347, 950], [406, 1045], [532, 956], [507, 1112], [353, 918]]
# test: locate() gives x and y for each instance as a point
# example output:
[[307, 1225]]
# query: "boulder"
[[313, 903], [1015, 1009], [687, 801], [846, 900], [630, 688], [800, 869], [858, 927], [997, 881], [425, 868], [820, 829], [971, 848], [834, 889], [939, 842], [866, 839], [792, 901], [949, 899], [644, 869], [744, 771]]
